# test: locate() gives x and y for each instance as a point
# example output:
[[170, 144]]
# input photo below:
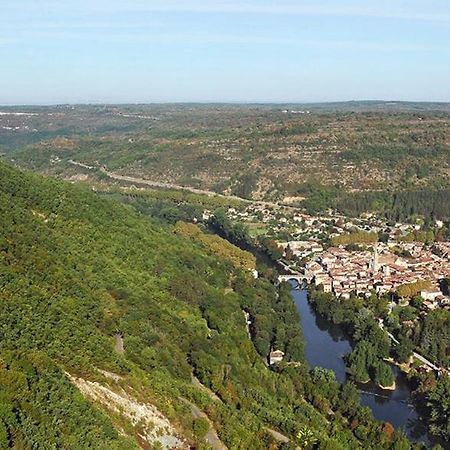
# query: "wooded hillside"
[[105, 315]]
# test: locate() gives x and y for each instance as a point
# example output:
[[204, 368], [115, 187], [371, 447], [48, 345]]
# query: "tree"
[[360, 360], [438, 401], [382, 374], [412, 289], [404, 349], [416, 302], [289, 254], [306, 438], [348, 398]]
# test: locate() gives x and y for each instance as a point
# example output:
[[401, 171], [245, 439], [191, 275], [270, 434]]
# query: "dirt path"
[[118, 346], [196, 382], [278, 436], [211, 436]]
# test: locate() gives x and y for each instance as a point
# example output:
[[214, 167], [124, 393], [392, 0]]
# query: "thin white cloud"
[[377, 9], [191, 38], [430, 10]]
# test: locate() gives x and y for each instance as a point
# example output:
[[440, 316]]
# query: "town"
[[346, 255], [380, 268]]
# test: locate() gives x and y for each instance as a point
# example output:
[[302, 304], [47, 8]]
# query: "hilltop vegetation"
[[219, 246], [378, 157], [80, 273]]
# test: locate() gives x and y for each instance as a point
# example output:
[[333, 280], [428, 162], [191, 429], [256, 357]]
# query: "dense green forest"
[[359, 317], [400, 206], [427, 204], [95, 295]]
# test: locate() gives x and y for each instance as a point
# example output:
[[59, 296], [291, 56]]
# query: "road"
[[212, 395], [162, 185], [416, 355], [278, 436], [211, 436]]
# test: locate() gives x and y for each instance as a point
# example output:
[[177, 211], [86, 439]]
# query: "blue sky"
[[97, 51]]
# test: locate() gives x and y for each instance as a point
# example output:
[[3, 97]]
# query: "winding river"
[[325, 346]]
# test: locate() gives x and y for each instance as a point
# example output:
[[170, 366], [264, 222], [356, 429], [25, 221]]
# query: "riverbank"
[[326, 344], [392, 387]]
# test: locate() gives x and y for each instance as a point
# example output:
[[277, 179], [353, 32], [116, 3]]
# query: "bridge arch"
[[298, 278]]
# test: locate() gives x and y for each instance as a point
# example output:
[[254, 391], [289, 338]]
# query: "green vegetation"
[[432, 395], [438, 402], [429, 335], [218, 246], [403, 350], [359, 316], [168, 205], [359, 237], [318, 197], [433, 336], [425, 236], [391, 160], [400, 206], [412, 289], [233, 232], [39, 408], [364, 364], [383, 374], [79, 270]]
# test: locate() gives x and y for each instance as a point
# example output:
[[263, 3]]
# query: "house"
[[430, 305], [275, 357], [431, 294], [324, 280]]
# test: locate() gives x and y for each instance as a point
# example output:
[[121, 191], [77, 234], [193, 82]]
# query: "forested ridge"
[[79, 272], [401, 206], [428, 204], [384, 156]]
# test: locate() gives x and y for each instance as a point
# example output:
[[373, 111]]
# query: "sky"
[[152, 51]]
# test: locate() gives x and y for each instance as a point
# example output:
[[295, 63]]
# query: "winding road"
[[162, 185], [211, 436]]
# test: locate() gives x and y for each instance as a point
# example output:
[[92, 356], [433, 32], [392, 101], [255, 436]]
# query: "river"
[[325, 346]]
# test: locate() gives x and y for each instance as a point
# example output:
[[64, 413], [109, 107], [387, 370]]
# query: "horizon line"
[[221, 102]]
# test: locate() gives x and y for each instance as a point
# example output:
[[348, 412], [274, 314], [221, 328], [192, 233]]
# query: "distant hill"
[[269, 152], [372, 106]]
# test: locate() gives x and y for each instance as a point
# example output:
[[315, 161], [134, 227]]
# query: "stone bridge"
[[298, 277]]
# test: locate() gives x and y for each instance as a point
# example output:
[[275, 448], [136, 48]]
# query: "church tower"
[[375, 262]]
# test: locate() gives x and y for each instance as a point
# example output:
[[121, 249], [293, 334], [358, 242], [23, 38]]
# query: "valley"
[[152, 308]]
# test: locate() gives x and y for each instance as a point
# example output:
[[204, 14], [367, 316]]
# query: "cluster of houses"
[[281, 221], [302, 249], [381, 270]]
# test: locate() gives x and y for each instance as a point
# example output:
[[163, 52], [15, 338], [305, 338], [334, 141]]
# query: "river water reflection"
[[325, 346]]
